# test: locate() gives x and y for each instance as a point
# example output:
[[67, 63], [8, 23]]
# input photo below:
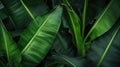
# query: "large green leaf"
[[104, 51], [17, 11], [105, 21], [37, 39], [9, 47], [75, 24]]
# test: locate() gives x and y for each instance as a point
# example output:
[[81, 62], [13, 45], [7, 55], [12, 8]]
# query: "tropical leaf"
[[21, 17], [37, 7], [106, 20], [75, 24], [17, 12], [37, 39], [9, 47], [104, 51]]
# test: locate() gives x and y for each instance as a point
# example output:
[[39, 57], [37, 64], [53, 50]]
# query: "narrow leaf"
[[75, 22], [84, 17], [10, 48]]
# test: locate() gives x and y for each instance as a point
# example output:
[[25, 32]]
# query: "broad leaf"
[[106, 20], [104, 51], [9, 48], [37, 39]]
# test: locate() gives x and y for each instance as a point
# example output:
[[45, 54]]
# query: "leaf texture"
[[37, 39], [9, 48], [105, 21]]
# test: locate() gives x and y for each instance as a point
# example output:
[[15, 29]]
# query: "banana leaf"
[[18, 13], [37, 39], [105, 21], [104, 51]]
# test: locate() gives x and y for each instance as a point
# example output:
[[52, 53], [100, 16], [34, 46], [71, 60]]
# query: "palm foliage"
[[59, 33]]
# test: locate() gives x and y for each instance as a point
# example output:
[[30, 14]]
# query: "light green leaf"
[[106, 20], [37, 39], [9, 47]]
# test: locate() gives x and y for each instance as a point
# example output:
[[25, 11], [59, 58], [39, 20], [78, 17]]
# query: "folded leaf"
[[106, 20], [75, 24], [9, 47], [37, 39]]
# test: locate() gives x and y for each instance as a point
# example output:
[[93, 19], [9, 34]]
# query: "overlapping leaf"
[[76, 27], [16, 10], [104, 51], [106, 20]]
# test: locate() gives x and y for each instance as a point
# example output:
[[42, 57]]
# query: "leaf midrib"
[[6, 45], [34, 35], [107, 48], [29, 12], [98, 21]]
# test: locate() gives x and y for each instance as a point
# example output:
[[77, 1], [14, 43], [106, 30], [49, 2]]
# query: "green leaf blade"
[[38, 37], [9, 47], [107, 48], [76, 28], [104, 51], [106, 20], [22, 11]]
